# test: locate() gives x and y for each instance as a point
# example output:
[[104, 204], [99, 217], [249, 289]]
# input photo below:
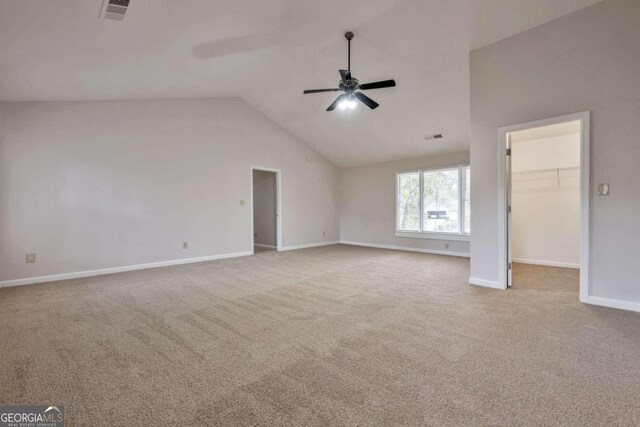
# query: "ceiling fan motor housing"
[[350, 85]]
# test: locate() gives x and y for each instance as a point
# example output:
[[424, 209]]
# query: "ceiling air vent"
[[116, 9], [435, 136]]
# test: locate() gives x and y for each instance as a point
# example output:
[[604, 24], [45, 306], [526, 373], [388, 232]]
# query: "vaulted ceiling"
[[267, 52]]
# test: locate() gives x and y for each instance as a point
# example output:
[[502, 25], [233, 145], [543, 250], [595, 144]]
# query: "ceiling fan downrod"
[[349, 36]]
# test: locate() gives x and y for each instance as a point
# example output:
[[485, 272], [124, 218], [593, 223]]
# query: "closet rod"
[[546, 170]]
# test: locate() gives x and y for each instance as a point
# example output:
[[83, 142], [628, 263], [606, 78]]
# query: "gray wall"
[[589, 60], [90, 185], [368, 202], [264, 208]]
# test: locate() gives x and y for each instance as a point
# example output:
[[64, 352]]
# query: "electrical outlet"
[[242, 202], [185, 245], [446, 245], [31, 258], [603, 189]]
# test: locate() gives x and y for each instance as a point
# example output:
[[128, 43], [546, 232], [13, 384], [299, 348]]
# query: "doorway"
[[544, 215], [265, 209]]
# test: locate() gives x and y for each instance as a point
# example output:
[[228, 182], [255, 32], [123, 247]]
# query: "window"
[[434, 202], [467, 200], [409, 201]]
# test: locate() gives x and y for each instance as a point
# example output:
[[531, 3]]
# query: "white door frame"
[[503, 236], [278, 204]]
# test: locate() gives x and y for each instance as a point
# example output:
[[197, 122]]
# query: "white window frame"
[[438, 235]]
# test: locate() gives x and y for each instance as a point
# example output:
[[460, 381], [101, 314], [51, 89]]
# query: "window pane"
[[441, 201], [409, 201], [467, 200]]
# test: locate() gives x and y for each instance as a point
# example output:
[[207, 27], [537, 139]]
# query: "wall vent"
[[116, 9]]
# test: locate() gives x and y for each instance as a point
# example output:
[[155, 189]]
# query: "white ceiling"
[[267, 52]]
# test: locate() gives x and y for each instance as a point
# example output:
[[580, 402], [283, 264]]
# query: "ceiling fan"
[[350, 85]]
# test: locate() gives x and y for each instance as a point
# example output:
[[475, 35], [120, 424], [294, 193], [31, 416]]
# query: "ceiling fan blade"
[[378, 85], [334, 104], [345, 75], [320, 90], [366, 100]]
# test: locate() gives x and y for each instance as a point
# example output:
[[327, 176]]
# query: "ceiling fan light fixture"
[[352, 87]]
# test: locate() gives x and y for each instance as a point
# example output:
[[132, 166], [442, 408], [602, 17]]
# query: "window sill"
[[434, 235]]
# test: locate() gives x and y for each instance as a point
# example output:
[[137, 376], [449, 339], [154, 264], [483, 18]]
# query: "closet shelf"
[[576, 168]]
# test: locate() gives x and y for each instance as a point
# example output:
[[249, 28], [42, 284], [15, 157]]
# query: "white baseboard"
[[308, 245], [102, 271], [408, 249], [264, 246], [613, 303], [486, 283], [546, 263]]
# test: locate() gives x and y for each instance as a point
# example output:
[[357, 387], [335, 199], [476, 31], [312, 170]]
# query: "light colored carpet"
[[260, 249], [334, 335]]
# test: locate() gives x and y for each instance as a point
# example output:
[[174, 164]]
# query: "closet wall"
[[546, 201]]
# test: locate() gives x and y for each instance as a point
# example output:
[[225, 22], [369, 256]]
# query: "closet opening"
[[546, 199]]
